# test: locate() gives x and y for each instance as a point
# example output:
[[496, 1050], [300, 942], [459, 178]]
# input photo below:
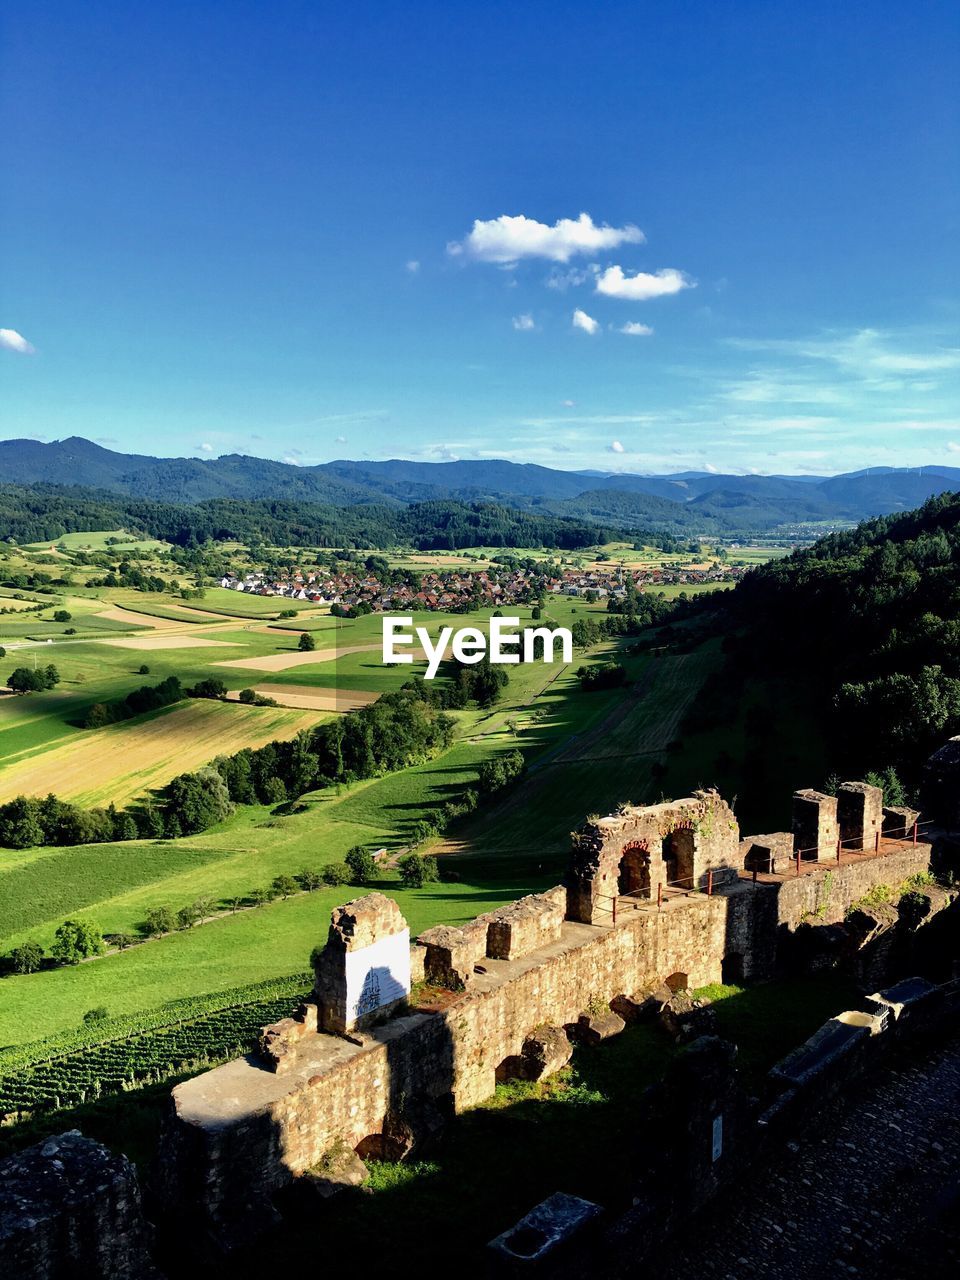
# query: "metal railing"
[[855, 845], [688, 885]]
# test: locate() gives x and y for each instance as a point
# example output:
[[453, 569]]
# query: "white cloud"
[[564, 280], [708, 466], [865, 353], [340, 440], [10, 340], [635, 329], [524, 323], [413, 266], [508, 239], [582, 321], [616, 447], [953, 447], [205, 447], [569, 404], [642, 286]]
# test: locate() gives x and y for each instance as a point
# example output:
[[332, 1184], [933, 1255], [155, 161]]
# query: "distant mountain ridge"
[[683, 501]]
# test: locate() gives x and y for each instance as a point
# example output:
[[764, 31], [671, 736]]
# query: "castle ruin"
[[395, 1039]]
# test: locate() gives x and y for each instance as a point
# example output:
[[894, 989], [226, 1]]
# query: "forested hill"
[[43, 513], [865, 627], [704, 501]]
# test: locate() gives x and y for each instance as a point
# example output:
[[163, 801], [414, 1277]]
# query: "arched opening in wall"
[[678, 857], [676, 982], [633, 873], [511, 1068], [731, 969]]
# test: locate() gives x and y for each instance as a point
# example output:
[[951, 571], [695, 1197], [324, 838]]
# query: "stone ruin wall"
[[536, 962]]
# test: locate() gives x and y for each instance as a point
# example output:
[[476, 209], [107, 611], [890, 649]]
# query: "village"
[[454, 590]]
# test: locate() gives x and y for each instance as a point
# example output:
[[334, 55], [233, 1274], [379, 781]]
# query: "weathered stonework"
[[368, 946], [767, 854], [639, 851], [516, 976], [70, 1210], [815, 827], [524, 926], [859, 815]]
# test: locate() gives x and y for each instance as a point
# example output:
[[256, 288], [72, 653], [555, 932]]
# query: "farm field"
[[586, 751], [122, 761], [117, 884]]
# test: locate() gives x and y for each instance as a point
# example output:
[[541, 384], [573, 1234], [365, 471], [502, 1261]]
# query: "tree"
[[27, 958], [273, 791], [362, 866], [284, 886], [336, 873], [306, 643], [187, 917], [309, 880], [97, 717], [160, 920], [76, 940], [198, 800], [536, 613], [100, 1014], [210, 688], [247, 695], [20, 824], [123, 940], [25, 680], [143, 669], [61, 615], [416, 871], [259, 897]]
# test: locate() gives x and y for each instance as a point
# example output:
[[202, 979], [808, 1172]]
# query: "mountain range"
[[687, 501]]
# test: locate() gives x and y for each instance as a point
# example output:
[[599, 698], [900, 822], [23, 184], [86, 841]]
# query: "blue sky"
[[309, 231]]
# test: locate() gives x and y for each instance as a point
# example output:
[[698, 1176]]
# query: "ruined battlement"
[[653, 893]]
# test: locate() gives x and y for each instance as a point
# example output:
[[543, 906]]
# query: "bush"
[[335, 873], [361, 864], [416, 871], [306, 643], [26, 958], [143, 669], [100, 1014], [61, 615]]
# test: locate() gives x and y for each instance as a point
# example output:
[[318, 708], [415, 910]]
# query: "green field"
[[586, 752]]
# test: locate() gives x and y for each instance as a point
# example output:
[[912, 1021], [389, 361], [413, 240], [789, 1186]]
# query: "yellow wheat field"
[[167, 642], [125, 760], [299, 695]]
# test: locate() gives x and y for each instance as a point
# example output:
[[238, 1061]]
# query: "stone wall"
[[241, 1131], [70, 1210]]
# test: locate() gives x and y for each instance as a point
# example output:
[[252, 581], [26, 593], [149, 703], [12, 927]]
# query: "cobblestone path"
[[872, 1190]]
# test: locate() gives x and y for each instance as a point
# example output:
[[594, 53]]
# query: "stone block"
[[815, 828], [278, 1043], [71, 1208], [767, 854], [450, 953], [635, 1007], [524, 926], [545, 1232], [859, 815], [687, 1019], [545, 1052], [898, 821], [339, 1170], [591, 1028]]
